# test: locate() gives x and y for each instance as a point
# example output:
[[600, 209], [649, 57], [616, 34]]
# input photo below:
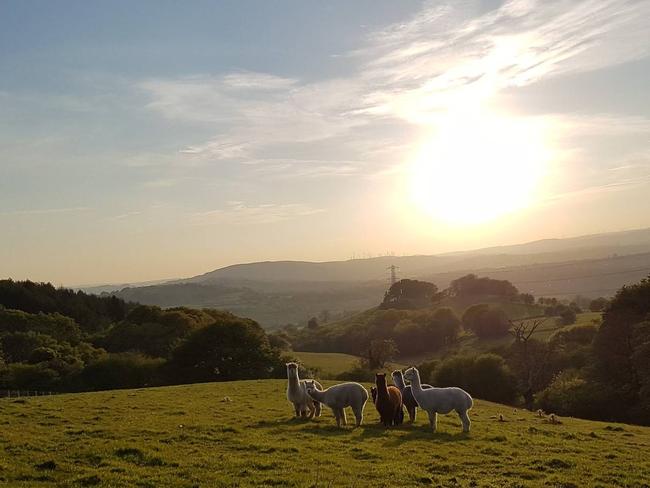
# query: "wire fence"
[[24, 393]]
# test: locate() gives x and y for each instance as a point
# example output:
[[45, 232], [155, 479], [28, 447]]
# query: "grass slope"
[[331, 364], [190, 436]]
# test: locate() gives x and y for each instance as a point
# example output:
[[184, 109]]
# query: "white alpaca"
[[340, 396], [297, 394], [440, 400]]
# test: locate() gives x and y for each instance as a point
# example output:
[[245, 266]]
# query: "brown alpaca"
[[389, 402]]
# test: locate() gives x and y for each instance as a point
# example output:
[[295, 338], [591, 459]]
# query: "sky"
[[161, 139]]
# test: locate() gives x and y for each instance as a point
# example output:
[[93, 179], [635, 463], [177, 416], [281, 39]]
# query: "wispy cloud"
[[45, 211], [240, 213], [411, 74]]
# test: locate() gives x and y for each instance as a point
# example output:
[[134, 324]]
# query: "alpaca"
[[440, 400], [303, 404], [338, 397], [407, 394], [388, 402]]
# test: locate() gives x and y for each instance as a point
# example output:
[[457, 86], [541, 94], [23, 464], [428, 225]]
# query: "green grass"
[[468, 343], [331, 364], [190, 436]]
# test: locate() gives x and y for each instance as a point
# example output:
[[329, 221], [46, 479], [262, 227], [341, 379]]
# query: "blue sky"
[[144, 140]]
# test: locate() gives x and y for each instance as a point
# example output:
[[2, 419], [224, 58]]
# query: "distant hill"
[[537, 252], [280, 292]]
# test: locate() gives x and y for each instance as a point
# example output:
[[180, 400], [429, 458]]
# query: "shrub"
[[122, 370], [568, 316], [486, 321], [571, 394], [28, 377], [229, 349], [485, 376]]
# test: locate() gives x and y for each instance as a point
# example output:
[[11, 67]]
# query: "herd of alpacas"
[[389, 400]]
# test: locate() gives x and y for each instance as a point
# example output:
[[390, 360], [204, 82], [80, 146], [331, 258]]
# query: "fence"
[[24, 393]]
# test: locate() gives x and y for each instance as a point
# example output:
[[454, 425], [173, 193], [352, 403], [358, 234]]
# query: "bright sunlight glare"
[[477, 168]]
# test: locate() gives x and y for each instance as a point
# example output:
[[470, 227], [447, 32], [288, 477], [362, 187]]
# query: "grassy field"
[[468, 343], [242, 434], [330, 364]]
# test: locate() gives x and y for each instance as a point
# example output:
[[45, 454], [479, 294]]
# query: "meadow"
[[331, 364], [243, 434]]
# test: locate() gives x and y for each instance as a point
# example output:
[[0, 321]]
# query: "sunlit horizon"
[[161, 142]]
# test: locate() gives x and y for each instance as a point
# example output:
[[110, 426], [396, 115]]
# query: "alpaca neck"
[[294, 382], [415, 383], [382, 391], [317, 395], [398, 379]]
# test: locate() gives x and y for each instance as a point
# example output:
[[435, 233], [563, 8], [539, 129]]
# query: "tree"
[[485, 376], [530, 358], [527, 298], [379, 353], [312, 323], [568, 316], [598, 304], [621, 344], [229, 349], [409, 294], [486, 321], [123, 370], [470, 286]]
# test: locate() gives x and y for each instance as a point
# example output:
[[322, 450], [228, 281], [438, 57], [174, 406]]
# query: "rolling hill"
[[243, 434], [277, 293]]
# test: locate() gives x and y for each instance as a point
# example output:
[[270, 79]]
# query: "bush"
[[230, 349], [599, 304], [571, 394], [29, 377], [579, 334], [568, 316], [485, 376], [122, 370], [486, 321]]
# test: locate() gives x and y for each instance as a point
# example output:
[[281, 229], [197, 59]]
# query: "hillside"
[[190, 436], [277, 293], [353, 334], [538, 252]]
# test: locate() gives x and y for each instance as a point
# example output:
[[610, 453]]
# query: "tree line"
[[55, 339]]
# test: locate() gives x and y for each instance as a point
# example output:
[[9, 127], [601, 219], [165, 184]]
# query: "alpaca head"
[[380, 379], [397, 374], [292, 370], [411, 374], [310, 386]]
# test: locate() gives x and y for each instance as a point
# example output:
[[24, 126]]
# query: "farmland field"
[[243, 434], [330, 364]]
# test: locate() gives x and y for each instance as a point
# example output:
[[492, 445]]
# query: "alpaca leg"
[[358, 415], [411, 410], [311, 410], [317, 407], [343, 417], [337, 416], [399, 419], [433, 420], [297, 409], [464, 418]]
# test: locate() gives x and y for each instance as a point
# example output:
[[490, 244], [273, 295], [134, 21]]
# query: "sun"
[[477, 168]]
